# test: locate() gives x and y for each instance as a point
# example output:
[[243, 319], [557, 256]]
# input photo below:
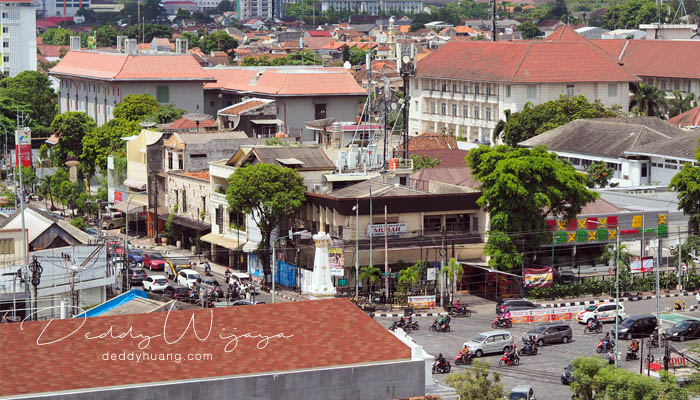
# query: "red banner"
[[538, 277]]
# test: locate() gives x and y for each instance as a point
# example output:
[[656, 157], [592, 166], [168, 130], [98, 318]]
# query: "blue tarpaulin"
[[113, 303], [286, 274]]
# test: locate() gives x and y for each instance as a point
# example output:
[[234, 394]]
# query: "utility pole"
[[493, 21], [370, 226], [20, 128], [386, 99], [680, 265], [386, 254], [407, 71], [657, 257], [357, 249]]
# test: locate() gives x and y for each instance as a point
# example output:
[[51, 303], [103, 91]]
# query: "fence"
[[546, 314], [285, 275]]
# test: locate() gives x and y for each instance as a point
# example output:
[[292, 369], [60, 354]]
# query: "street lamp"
[[274, 257], [617, 285], [356, 208], [126, 240]]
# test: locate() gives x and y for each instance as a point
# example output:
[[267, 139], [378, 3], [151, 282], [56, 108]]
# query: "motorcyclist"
[[228, 275], [441, 360], [464, 352], [595, 322], [506, 315], [458, 306], [610, 356], [207, 267], [531, 343], [402, 322], [512, 354], [633, 346], [606, 341]]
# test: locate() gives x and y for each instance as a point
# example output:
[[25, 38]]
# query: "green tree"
[[267, 193], [32, 91], [369, 274], [201, 18], [218, 41], [46, 190], [79, 223], [346, 53], [454, 271], [685, 183], [192, 39], [43, 154], [225, 5], [629, 14], [149, 31], [419, 20], [106, 36], [420, 162], [136, 107], [599, 175], [680, 103], [558, 10], [410, 276], [541, 118], [89, 14], [543, 186], [57, 36], [648, 99], [610, 257], [500, 126], [357, 57], [529, 30], [29, 177], [100, 142], [166, 114], [182, 14], [476, 384], [70, 127]]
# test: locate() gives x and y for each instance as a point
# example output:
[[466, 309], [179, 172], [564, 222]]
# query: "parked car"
[[490, 342], [136, 256], [177, 292], [187, 277], [522, 393], [155, 283], [567, 377], [245, 303], [515, 305], [154, 261], [113, 221], [136, 276], [605, 312], [213, 284], [686, 329], [641, 325], [558, 332]]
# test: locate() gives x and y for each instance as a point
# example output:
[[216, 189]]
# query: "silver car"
[[550, 333], [490, 342]]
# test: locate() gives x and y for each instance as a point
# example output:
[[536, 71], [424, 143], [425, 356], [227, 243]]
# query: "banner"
[[421, 301], [639, 264], [23, 147], [336, 261], [392, 229], [538, 277], [545, 314]]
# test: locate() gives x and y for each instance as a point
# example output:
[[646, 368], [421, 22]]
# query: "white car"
[[155, 283], [187, 277], [490, 342], [605, 312]]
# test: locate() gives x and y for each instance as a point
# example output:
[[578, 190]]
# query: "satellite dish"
[[197, 117], [147, 124], [347, 65]]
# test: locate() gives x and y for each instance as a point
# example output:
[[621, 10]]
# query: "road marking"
[[674, 318]]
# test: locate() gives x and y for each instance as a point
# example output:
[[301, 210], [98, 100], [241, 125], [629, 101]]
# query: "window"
[[676, 85], [320, 111], [454, 110], [476, 112], [432, 223], [444, 87], [163, 94], [5, 29], [7, 246], [200, 155], [644, 170], [475, 223], [184, 201], [4, 15], [211, 103], [454, 87], [432, 108], [457, 223], [477, 88], [170, 160], [612, 89], [465, 111], [465, 88], [507, 90], [663, 84], [204, 203], [570, 90], [488, 113], [531, 91], [443, 109], [5, 44], [6, 58], [432, 85], [488, 90], [177, 198]]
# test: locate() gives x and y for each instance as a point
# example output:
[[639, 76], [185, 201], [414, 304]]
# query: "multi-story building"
[[255, 9], [106, 6], [18, 21], [373, 7], [94, 81], [464, 87], [64, 8]]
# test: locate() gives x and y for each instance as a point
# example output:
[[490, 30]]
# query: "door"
[[490, 346], [607, 312], [694, 331]]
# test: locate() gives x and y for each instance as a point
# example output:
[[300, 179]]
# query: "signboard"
[[7, 210], [432, 273], [421, 301], [642, 264], [538, 277], [23, 147], [336, 261], [545, 314], [392, 229], [342, 282], [117, 197]]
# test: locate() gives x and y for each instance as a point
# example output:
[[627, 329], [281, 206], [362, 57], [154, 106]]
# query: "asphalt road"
[[542, 371]]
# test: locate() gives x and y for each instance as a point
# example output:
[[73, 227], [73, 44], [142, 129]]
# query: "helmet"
[[440, 355]]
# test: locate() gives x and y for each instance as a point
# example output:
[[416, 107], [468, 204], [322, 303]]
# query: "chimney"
[[181, 46], [120, 43], [75, 42], [130, 47]]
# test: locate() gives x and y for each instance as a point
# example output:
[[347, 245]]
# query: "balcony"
[[219, 198]]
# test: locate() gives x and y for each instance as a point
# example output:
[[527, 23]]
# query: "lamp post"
[[274, 257], [357, 248], [126, 239]]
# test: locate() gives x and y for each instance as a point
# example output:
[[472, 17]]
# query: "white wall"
[[20, 55]]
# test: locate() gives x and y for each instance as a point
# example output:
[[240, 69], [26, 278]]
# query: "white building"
[[18, 21], [372, 7], [670, 31], [464, 87], [64, 8]]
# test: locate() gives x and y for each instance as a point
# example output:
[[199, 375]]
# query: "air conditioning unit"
[[318, 188]]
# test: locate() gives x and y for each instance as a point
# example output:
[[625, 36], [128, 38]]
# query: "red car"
[[154, 261]]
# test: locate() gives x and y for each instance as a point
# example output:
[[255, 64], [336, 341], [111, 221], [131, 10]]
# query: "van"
[[557, 332], [636, 326], [113, 221]]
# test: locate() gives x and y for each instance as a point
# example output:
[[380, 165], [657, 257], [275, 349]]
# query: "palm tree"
[[454, 272], [45, 188], [680, 104], [610, 255], [500, 126], [370, 274], [648, 99], [410, 276]]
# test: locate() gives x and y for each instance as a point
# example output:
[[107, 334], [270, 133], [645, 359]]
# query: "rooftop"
[[184, 123], [201, 175], [377, 188], [687, 119], [244, 106], [298, 157], [681, 147]]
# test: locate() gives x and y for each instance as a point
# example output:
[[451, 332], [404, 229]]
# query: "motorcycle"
[[411, 324], [435, 327], [600, 348], [506, 361], [460, 312], [395, 326], [654, 340], [207, 269], [631, 355], [464, 358], [528, 350], [502, 323], [441, 368], [592, 327]]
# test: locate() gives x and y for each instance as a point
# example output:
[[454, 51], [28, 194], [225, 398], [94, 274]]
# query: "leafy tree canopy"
[[629, 14], [420, 162], [475, 383], [686, 183], [166, 114], [70, 127], [543, 186], [529, 30], [30, 91], [136, 107], [57, 36], [149, 32], [218, 41], [599, 175], [100, 142], [541, 118]]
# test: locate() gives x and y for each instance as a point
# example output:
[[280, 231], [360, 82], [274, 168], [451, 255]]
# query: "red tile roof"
[[526, 62], [316, 33], [661, 58], [286, 82], [431, 141], [316, 334], [117, 66], [448, 158], [184, 123], [49, 50], [201, 175], [688, 118]]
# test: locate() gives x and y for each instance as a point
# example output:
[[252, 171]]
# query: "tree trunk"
[[265, 253]]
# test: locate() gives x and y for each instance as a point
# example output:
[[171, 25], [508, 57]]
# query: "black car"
[[514, 305], [177, 292], [136, 276], [567, 377], [641, 325], [686, 329]]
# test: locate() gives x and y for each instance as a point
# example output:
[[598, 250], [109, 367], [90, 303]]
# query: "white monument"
[[321, 282]]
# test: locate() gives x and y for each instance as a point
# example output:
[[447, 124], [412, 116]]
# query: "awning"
[[135, 184], [134, 205], [250, 247], [267, 122], [224, 241], [186, 222]]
